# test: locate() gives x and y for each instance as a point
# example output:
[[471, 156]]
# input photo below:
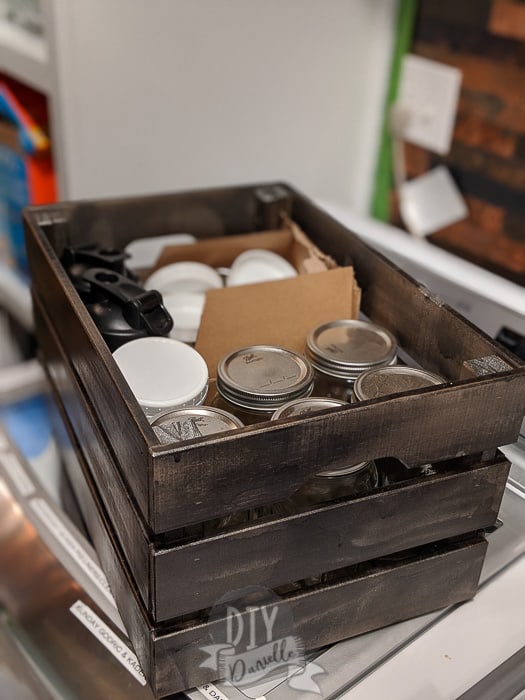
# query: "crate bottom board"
[[171, 653]]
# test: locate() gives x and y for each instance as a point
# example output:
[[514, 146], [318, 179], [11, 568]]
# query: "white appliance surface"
[[466, 645]]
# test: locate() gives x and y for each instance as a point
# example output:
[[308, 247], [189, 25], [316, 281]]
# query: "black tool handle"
[[141, 308]]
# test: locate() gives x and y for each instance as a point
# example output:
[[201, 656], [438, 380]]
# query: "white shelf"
[[24, 56]]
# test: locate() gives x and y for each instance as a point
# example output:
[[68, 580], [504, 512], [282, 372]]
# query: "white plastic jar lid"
[[184, 277], [163, 373], [258, 265], [185, 308]]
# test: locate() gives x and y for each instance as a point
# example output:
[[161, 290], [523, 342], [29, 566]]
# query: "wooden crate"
[[135, 493], [174, 486], [171, 653], [464, 496]]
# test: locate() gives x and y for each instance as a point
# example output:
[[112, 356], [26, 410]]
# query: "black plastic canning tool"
[[123, 310]]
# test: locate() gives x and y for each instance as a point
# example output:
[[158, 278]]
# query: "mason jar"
[[163, 374], [306, 406], [328, 485], [333, 484], [386, 381], [340, 351], [189, 423], [254, 381]]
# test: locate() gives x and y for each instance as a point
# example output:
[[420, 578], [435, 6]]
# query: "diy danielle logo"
[[252, 631]]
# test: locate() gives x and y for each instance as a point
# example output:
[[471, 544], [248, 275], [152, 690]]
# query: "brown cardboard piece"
[[268, 313], [289, 241], [274, 313]]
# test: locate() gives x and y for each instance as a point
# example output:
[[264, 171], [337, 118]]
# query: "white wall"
[[158, 95]]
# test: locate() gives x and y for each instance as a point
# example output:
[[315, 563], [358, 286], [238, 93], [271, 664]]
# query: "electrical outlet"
[[428, 99]]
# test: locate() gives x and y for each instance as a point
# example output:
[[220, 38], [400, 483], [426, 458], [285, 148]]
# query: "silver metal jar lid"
[[301, 407], [345, 348], [263, 377], [384, 381], [189, 423]]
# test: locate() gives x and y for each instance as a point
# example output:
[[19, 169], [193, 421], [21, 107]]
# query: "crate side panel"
[[408, 591], [435, 335], [400, 518], [270, 463], [328, 539], [129, 607], [90, 442], [345, 610], [95, 369], [201, 213], [171, 660], [273, 554]]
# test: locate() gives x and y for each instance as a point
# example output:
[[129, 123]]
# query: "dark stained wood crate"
[[135, 493], [463, 497], [171, 485], [440, 575]]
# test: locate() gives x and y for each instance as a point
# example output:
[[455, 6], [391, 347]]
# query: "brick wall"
[[485, 39]]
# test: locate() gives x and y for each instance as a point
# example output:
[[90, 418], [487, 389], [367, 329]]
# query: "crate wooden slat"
[[287, 549], [171, 485]]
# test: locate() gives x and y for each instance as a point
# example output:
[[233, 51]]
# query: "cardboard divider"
[[274, 313], [279, 312], [289, 241]]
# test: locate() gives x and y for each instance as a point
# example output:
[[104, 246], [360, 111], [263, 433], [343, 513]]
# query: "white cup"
[[164, 374]]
